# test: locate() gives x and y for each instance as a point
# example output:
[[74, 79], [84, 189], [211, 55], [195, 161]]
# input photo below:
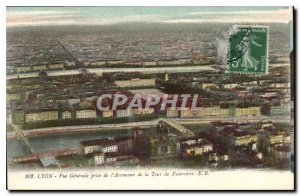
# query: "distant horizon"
[[104, 16]]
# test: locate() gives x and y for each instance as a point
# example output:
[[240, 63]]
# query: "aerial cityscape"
[[59, 61]]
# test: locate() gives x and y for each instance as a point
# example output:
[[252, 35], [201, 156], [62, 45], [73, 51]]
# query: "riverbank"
[[86, 128], [99, 71]]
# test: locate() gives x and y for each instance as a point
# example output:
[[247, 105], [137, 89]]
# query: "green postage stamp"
[[248, 49]]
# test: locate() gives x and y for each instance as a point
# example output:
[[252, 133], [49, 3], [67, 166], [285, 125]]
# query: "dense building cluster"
[[55, 81]]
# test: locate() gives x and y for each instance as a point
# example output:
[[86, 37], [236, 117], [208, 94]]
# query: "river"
[[56, 142]]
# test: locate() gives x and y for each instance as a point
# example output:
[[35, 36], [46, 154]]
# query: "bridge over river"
[[37, 156], [178, 127]]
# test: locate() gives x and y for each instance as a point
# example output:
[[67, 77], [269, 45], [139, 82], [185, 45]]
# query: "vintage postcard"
[[150, 98]]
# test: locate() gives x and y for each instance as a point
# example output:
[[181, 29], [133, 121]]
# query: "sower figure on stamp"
[[249, 61]]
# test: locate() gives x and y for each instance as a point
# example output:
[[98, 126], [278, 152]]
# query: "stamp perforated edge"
[[230, 32]]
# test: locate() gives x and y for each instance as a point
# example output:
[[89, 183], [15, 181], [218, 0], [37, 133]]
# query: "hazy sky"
[[17, 16]]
